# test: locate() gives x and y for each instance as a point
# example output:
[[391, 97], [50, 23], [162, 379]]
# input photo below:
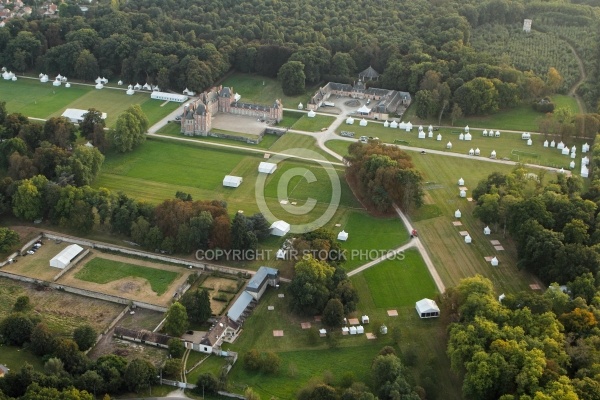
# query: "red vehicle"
[[414, 233]]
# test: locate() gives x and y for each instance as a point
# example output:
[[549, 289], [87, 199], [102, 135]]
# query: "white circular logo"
[[309, 176]]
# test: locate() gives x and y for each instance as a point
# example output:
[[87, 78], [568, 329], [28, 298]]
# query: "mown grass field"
[[42, 100], [15, 358], [290, 118], [315, 124], [213, 364], [508, 146], [101, 270]]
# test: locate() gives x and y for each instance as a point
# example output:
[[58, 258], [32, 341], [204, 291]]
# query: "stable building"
[[66, 256]]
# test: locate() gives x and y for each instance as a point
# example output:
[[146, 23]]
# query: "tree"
[[85, 336], [333, 314], [60, 131], [91, 382], [84, 165], [91, 121], [42, 340], [197, 305], [252, 360], [139, 374], [172, 368], [176, 321], [130, 129], [16, 329], [554, 80], [27, 201], [250, 394], [54, 366], [583, 286], [270, 363], [37, 392], [309, 287], [242, 234], [206, 383], [291, 75], [8, 239], [176, 348], [86, 66], [476, 97]]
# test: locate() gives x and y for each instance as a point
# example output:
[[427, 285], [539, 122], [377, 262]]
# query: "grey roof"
[[225, 92], [369, 73], [249, 106], [260, 277], [239, 306], [200, 109]]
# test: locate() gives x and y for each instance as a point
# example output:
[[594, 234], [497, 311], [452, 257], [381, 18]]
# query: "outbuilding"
[[64, 258], [426, 308], [267, 167], [280, 228], [232, 181]]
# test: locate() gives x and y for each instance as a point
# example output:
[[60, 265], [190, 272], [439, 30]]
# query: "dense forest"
[[178, 44]]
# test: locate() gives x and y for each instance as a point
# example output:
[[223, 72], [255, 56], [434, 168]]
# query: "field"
[[213, 364], [34, 99], [15, 358], [315, 124], [102, 271], [63, 312], [262, 90], [508, 146], [290, 118]]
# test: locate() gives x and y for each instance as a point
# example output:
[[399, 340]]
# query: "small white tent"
[[364, 319], [461, 182], [311, 114], [461, 137], [485, 133], [267, 167], [572, 164], [426, 308], [280, 228], [67, 85], [99, 86], [493, 154], [353, 330], [463, 193], [526, 135], [439, 137], [421, 135], [553, 144], [565, 151], [130, 92], [471, 152], [487, 230], [408, 127], [349, 120], [420, 128], [401, 125], [343, 236], [546, 143], [497, 134], [585, 160], [449, 145], [430, 134], [477, 151], [467, 128], [300, 106], [468, 136], [44, 78], [573, 149], [494, 262], [560, 146], [393, 124], [386, 124], [360, 330], [468, 239], [430, 128], [529, 142], [232, 181], [573, 155], [457, 214], [363, 122], [585, 148]]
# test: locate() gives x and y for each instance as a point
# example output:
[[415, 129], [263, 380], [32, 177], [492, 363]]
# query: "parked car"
[[30, 252], [363, 139]]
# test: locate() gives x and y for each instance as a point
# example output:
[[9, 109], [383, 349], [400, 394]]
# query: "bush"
[[270, 363], [85, 336], [544, 105], [172, 368], [252, 360], [22, 304]]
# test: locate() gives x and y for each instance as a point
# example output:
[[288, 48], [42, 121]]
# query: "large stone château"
[[197, 116]]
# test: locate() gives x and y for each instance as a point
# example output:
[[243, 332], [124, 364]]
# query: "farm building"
[[426, 308], [232, 181], [64, 258], [280, 228], [178, 98], [240, 305], [76, 115], [267, 167], [264, 277]]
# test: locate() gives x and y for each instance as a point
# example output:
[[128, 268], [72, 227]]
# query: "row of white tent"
[[236, 181], [491, 133], [9, 76], [350, 121]]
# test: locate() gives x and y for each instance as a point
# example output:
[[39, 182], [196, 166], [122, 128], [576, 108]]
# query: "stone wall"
[[30, 243]]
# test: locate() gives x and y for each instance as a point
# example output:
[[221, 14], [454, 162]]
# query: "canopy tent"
[[553, 144], [497, 134], [494, 262], [342, 236], [485, 132], [430, 128], [457, 214], [546, 143], [463, 193], [322, 332], [585, 160], [461, 182], [43, 78], [174, 97], [584, 171], [64, 258], [393, 124], [471, 152], [363, 122], [408, 127], [477, 151], [585, 148], [572, 164], [467, 128], [364, 319], [99, 86], [349, 120], [439, 137], [267, 167], [526, 135], [565, 151], [468, 239], [280, 228], [311, 114], [360, 330], [353, 330], [468, 136], [402, 125], [421, 135], [560, 146], [386, 124], [461, 137], [493, 154], [449, 145], [77, 115], [232, 181], [300, 106], [426, 308], [420, 128], [130, 92], [363, 110], [487, 230], [529, 142]]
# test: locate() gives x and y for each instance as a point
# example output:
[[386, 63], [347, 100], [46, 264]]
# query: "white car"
[[363, 139]]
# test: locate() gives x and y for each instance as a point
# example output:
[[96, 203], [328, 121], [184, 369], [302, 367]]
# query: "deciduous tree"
[[176, 321]]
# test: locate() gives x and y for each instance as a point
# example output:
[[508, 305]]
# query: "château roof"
[[369, 73]]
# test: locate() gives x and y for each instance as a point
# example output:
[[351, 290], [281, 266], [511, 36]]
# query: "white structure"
[[402, 125], [553, 144], [99, 86], [393, 124], [353, 330], [585, 148], [360, 330], [487, 230], [526, 135], [494, 262], [300, 106], [463, 193], [585, 160], [345, 330], [267, 167], [383, 330], [573, 155], [14, 78], [120, 83], [467, 128], [188, 92], [529, 142], [349, 120], [421, 135], [461, 137], [232, 181], [468, 136], [584, 171], [280, 228], [493, 154], [364, 319], [343, 236], [449, 145], [497, 134], [76, 115], [565, 151], [64, 258], [322, 332], [430, 134], [546, 143], [8, 76], [130, 92], [67, 85], [430, 128], [485, 133], [426, 308], [561, 171], [137, 86], [386, 124], [439, 137], [408, 127], [177, 98], [44, 78], [527, 25], [477, 151], [501, 297], [560, 146], [572, 164], [57, 82], [471, 152], [146, 86], [420, 128], [461, 182], [363, 122], [311, 114], [457, 214], [468, 239]]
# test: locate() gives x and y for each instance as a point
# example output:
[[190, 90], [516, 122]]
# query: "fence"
[[185, 385]]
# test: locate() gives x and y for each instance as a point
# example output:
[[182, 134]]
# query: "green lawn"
[[42, 100], [262, 90], [16, 357], [290, 118], [213, 364], [298, 141], [315, 124], [100, 270]]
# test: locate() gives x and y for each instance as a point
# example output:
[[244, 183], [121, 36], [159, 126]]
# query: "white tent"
[[449, 145], [529, 142], [471, 152], [311, 114], [467, 128], [137, 86], [363, 122], [281, 254], [401, 125], [553, 144], [421, 135], [573, 155], [494, 262], [300, 106], [120, 83], [130, 87], [99, 86], [426, 308], [468, 239], [232, 181], [393, 124], [44, 78], [130, 92], [88, 144], [585, 148], [584, 171], [363, 110], [468, 136], [497, 134], [463, 193], [526, 135], [546, 143], [477, 151], [155, 88], [98, 80], [360, 330], [343, 236], [349, 120], [487, 230], [585, 160], [457, 214], [493, 154], [353, 330], [420, 128], [364, 319], [408, 126], [561, 171], [461, 182], [485, 133], [76, 115], [386, 124], [280, 228], [439, 137], [189, 92], [461, 137], [67, 85], [267, 167], [56, 83], [573, 149], [62, 259], [560, 146], [165, 96], [501, 297], [345, 330], [14, 78], [430, 128], [572, 164], [565, 151], [430, 134], [322, 332], [147, 86]]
